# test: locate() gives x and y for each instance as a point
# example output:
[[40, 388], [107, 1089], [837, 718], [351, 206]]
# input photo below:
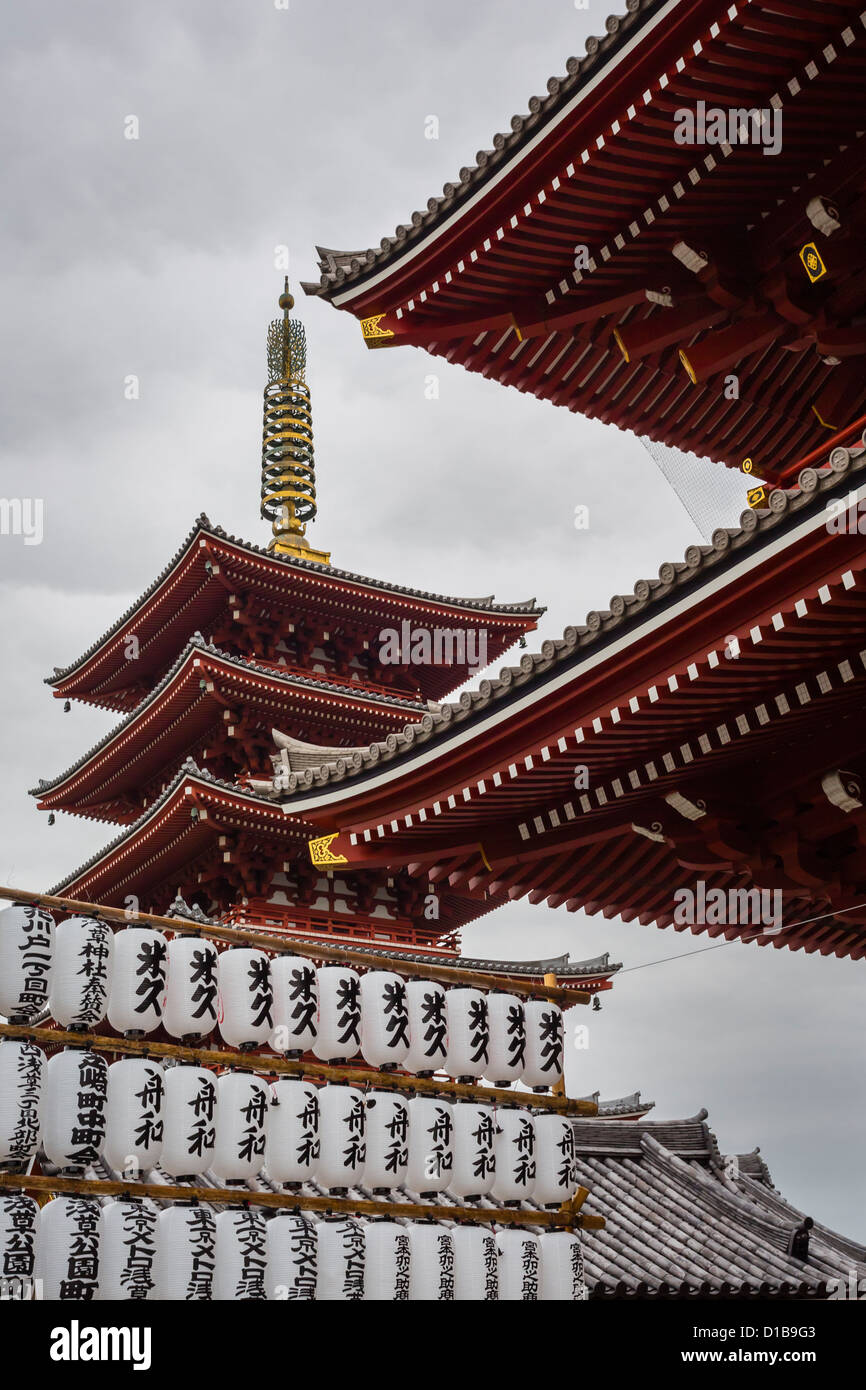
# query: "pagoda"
[[236, 650]]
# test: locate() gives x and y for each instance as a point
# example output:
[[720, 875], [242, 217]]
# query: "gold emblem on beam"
[[756, 495], [374, 336], [320, 852], [811, 258]]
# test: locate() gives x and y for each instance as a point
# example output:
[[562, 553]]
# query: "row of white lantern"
[[77, 1249], [136, 1114], [82, 972]]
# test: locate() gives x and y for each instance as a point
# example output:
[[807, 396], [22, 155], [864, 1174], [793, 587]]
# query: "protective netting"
[[712, 494]]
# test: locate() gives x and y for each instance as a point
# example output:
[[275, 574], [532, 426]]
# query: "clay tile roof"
[[289, 678], [623, 1105], [785, 509], [187, 769], [522, 608], [341, 267], [675, 1224]]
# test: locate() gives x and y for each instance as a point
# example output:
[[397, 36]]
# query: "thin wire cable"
[[742, 940]]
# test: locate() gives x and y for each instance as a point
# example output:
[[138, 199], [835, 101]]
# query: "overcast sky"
[[261, 127]]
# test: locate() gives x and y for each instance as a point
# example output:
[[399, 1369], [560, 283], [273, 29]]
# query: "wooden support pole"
[[274, 941], [558, 1086], [266, 1063], [415, 1211]]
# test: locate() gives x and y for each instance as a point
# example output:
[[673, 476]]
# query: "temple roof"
[[136, 727], [190, 821], [172, 797], [325, 581], [596, 968], [623, 1105], [609, 258], [676, 1223], [701, 566], [751, 1178], [341, 268]]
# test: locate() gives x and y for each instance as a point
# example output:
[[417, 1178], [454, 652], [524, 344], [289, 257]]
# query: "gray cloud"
[[155, 258]]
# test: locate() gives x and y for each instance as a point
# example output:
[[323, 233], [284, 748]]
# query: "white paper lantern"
[[544, 1033], [138, 980], [431, 1145], [388, 1259], [81, 973], [21, 1068], [292, 1248], [26, 954], [507, 1024], [242, 1108], [515, 1155], [476, 1265], [387, 1138], [555, 1167], [246, 998], [189, 1121], [74, 1107], [292, 1130], [191, 999], [127, 1250], [384, 1019], [562, 1274], [519, 1266], [241, 1256], [18, 1221], [338, 1036], [431, 1274], [67, 1245], [468, 1033], [186, 1257], [474, 1149], [342, 1147], [296, 1005], [341, 1248], [134, 1131], [428, 1027]]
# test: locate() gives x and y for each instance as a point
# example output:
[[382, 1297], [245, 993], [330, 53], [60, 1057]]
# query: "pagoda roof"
[[198, 816], [668, 230], [170, 719], [192, 589], [168, 836], [667, 719]]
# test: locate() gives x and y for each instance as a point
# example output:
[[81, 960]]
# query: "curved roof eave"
[[525, 608], [791, 514], [347, 274]]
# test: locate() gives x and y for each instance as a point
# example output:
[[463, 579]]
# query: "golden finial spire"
[[288, 470]]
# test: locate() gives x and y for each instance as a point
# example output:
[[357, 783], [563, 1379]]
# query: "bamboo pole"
[[416, 1211], [558, 1086], [274, 941], [267, 1062]]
